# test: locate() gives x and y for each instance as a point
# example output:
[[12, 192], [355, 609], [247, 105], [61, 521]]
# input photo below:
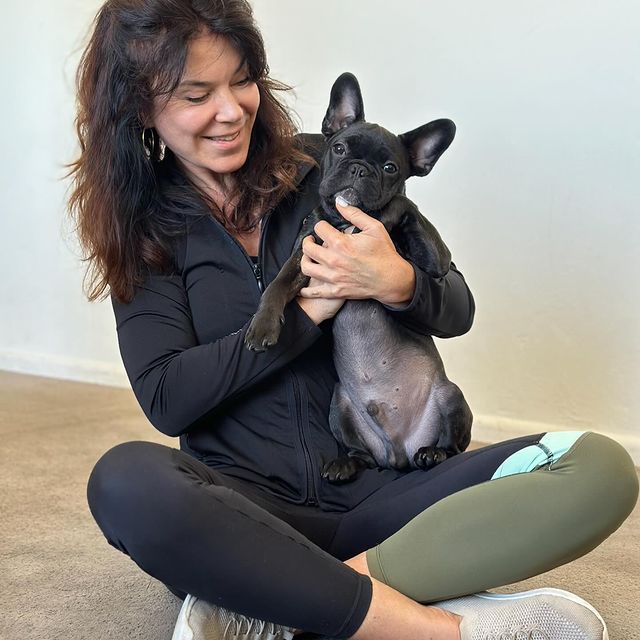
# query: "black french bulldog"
[[394, 406]]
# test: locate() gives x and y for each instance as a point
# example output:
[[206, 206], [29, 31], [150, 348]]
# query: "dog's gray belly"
[[391, 378]]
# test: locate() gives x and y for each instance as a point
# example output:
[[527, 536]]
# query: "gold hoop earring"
[[148, 151]]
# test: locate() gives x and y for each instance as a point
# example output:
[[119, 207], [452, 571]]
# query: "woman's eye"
[[390, 167], [339, 148], [244, 82], [197, 99]]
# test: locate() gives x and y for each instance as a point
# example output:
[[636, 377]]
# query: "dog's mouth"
[[350, 195]]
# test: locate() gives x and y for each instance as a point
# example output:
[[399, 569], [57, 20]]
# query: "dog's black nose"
[[358, 170]]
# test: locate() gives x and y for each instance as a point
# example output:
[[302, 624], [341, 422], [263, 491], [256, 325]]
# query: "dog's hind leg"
[[455, 428], [457, 420], [343, 423]]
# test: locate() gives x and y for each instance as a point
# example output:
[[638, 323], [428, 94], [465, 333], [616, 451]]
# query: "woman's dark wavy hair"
[[127, 207]]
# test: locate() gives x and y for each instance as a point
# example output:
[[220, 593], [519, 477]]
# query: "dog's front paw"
[[341, 470], [427, 457], [264, 331]]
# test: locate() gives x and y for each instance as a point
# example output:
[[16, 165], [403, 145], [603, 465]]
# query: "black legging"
[[230, 543]]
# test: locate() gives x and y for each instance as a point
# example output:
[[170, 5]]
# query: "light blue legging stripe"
[[552, 446]]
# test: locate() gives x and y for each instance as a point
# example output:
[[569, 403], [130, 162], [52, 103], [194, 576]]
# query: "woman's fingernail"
[[341, 201]]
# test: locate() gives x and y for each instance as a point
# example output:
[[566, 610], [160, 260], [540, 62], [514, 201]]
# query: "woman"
[[189, 193]]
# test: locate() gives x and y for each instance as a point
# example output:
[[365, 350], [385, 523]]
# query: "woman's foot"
[[541, 614], [201, 620]]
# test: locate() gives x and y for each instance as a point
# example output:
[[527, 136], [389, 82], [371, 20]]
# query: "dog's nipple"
[[372, 408]]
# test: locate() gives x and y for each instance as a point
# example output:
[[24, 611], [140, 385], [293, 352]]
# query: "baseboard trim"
[[63, 368], [488, 428]]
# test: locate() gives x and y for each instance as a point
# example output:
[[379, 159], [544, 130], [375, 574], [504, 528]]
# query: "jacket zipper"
[[257, 268], [311, 496], [257, 272]]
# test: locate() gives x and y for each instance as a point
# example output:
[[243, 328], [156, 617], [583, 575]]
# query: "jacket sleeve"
[[441, 307], [178, 381]]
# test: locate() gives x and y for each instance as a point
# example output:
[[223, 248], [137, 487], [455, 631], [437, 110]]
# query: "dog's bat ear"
[[427, 143], [345, 105]]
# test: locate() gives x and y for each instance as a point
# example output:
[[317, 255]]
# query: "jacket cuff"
[[441, 307], [298, 325], [414, 302]]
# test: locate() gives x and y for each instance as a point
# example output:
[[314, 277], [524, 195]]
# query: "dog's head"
[[366, 164]]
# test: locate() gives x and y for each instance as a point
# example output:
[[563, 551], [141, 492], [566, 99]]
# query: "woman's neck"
[[217, 186], [250, 241]]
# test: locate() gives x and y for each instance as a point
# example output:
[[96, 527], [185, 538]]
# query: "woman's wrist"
[[402, 284], [318, 309], [306, 304]]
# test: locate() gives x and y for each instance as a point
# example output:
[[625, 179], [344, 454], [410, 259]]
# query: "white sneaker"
[[201, 620], [541, 614]]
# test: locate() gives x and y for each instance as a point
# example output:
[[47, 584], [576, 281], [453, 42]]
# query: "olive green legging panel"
[[511, 528]]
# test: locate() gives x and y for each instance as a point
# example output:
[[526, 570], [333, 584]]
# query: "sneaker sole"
[[182, 627], [560, 593]]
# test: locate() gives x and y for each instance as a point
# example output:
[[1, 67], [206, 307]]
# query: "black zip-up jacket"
[[262, 417]]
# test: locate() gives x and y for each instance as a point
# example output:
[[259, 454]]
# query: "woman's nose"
[[228, 107]]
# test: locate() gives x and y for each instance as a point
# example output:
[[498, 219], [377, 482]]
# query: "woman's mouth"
[[228, 138]]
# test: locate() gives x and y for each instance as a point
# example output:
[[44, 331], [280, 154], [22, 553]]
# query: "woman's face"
[[207, 121]]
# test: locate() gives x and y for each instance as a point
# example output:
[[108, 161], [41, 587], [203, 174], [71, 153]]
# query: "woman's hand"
[[317, 308], [356, 266]]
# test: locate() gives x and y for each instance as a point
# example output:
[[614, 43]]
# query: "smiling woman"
[[207, 121], [190, 191], [190, 74]]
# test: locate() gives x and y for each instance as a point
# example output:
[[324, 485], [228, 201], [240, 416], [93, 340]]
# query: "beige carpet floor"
[[60, 580]]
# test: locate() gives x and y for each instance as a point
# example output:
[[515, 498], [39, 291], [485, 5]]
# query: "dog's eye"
[[390, 167], [339, 148]]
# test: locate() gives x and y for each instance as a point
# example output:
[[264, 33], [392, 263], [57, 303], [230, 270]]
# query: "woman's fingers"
[[314, 269], [327, 232], [323, 253], [358, 218], [319, 289], [313, 250]]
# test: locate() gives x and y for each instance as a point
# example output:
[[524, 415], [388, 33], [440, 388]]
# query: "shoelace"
[[240, 625], [520, 634]]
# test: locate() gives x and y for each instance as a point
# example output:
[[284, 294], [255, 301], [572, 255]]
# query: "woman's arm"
[[367, 265], [441, 307], [175, 379]]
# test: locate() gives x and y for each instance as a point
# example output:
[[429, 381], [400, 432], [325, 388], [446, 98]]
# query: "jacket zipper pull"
[[257, 271]]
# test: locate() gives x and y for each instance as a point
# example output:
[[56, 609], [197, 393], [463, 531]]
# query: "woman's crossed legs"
[[451, 531]]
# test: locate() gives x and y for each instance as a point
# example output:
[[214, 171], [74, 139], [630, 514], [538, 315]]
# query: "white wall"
[[537, 197], [46, 327]]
